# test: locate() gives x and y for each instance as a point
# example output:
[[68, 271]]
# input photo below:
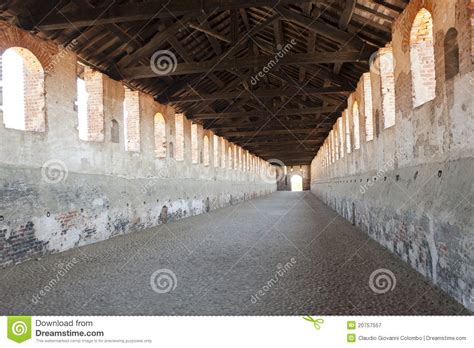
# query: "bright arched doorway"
[[296, 183]]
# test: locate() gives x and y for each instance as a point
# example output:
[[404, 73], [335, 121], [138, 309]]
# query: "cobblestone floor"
[[282, 254]]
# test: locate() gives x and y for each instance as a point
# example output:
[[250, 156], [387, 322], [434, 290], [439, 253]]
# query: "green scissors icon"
[[316, 322]]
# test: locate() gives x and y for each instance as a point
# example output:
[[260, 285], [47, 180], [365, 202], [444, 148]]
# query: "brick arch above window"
[[408, 17], [44, 51]]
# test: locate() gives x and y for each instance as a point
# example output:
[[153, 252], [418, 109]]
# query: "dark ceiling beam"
[[298, 149], [310, 42], [158, 9], [302, 162], [216, 46], [262, 93], [300, 153], [280, 112], [285, 142], [234, 25], [344, 20], [251, 62], [388, 5], [375, 12], [289, 124], [272, 132], [323, 29], [158, 39], [347, 12], [318, 71], [171, 90], [206, 66], [320, 138], [207, 30]]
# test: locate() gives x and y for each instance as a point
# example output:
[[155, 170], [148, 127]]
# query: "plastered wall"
[[59, 192], [411, 188]]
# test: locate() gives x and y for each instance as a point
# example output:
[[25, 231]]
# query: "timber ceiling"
[[220, 47]]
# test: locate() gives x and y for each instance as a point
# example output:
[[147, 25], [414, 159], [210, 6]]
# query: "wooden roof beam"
[[280, 112], [250, 62], [262, 93], [131, 12]]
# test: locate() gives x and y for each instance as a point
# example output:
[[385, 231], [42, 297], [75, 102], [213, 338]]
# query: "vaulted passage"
[[286, 253], [190, 149]]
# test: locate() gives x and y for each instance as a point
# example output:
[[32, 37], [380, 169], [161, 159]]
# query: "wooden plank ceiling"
[[220, 46]]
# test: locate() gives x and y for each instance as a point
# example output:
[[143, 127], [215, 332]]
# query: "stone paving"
[[283, 254]]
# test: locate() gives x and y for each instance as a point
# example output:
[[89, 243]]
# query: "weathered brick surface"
[[58, 191], [179, 148], [422, 58], [95, 105], [409, 187], [132, 120]]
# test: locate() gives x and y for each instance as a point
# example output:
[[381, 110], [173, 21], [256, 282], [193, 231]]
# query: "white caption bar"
[[221, 332]]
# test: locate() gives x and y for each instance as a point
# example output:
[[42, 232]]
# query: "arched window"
[[81, 105], [348, 131], [340, 137], [451, 54], [236, 158], [223, 153], [387, 80], [179, 122], [23, 90], [333, 152], [369, 120], [422, 58], [215, 145], [194, 144], [115, 132], [229, 154], [131, 117], [160, 137], [206, 150], [90, 104], [326, 151], [356, 124]]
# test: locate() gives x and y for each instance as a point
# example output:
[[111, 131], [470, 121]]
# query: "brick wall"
[[387, 81], [23, 82], [206, 151], [422, 58], [194, 143], [131, 111], [356, 124], [59, 192], [34, 94], [160, 135], [95, 104], [179, 147], [223, 153], [369, 121], [408, 188], [347, 130], [215, 142], [471, 12]]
